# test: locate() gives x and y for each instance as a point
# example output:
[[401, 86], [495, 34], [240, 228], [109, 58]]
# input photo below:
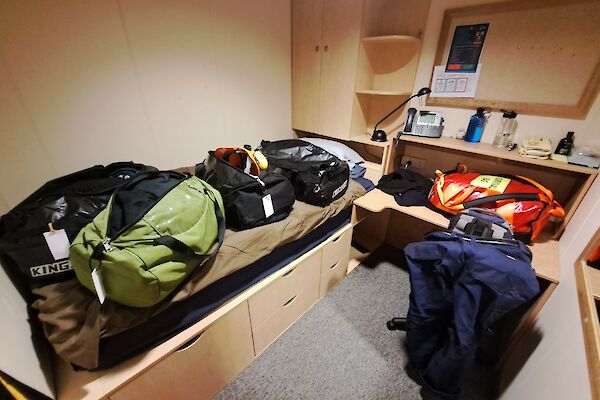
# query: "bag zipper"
[[106, 242]]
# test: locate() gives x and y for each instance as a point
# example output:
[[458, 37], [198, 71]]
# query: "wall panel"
[[70, 61], [177, 74], [160, 82], [24, 161]]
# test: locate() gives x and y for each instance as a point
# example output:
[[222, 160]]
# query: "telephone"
[[428, 123]]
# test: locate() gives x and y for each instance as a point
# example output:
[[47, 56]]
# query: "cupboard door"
[[341, 40], [307, 18]]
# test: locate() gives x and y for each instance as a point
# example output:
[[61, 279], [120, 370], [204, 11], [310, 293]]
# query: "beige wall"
[[154, 81], [587, 131], [557, 368]]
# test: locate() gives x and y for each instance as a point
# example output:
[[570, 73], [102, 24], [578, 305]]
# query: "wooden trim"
[[589, 316], [575, 201], [579, 110]]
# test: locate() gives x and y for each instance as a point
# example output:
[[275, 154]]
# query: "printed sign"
[[496, 183]]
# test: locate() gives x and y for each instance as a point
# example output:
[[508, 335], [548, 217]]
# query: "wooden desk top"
[[489, 150], [544, 250]]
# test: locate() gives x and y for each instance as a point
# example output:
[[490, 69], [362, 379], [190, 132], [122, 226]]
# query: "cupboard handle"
[[317, 48], [190, 342], [325, 48], [335, 265], [289, 272], [336, 239], [287, 303]]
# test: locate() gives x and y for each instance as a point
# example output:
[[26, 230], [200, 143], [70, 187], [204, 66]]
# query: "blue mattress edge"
[[158, 329]]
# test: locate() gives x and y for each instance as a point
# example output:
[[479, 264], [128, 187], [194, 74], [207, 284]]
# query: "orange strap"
[[547, 192]]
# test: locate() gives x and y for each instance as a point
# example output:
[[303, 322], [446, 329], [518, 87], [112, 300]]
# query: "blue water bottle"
[[476, 126]]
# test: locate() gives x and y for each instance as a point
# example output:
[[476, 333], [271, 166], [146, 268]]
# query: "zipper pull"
[[106, 245]]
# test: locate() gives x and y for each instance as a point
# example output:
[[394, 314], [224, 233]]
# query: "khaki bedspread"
[[74, 321]]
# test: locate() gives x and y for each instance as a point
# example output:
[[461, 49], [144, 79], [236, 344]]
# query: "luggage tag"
[[268, 205], [97, 280], [57, 242]]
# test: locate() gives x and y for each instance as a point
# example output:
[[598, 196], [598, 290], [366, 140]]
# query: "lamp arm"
[[394, 110]]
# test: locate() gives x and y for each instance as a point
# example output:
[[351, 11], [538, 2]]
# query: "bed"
[[91, 336]]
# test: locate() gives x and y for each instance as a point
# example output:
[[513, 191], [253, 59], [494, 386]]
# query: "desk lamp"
[[380, 135]]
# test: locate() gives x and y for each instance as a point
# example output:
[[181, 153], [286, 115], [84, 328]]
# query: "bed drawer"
[[201, 367], [302, 278], [335, 251], [280, 304]]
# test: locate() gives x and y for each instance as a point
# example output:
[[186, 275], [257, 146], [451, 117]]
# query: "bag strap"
[[180, 247]]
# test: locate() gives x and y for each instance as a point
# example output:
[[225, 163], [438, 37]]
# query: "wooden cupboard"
[[325, 41], [352, 62]]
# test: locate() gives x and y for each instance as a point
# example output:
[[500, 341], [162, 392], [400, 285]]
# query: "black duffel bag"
[[319, 177], [249, 200], [69, 203]]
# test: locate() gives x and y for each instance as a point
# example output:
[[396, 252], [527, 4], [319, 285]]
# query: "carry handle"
[[500, 197]]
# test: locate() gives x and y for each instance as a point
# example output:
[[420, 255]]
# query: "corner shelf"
[[392, 39], [382, 92], [386, 70]]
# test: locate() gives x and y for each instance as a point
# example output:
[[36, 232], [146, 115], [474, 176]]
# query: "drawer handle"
[[291, 271], [190, 342], [335, 265], [336, 239], [287, 303]]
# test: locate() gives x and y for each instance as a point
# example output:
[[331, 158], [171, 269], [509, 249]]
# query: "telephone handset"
[[423, 123], [410, 117]]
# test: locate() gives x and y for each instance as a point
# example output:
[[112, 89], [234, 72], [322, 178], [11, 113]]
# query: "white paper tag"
[[268, 205], [98, 285], [58, 243]]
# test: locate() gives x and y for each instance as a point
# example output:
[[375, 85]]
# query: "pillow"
[[338, 149]]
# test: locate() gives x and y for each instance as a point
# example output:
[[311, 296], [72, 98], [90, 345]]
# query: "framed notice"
[[538, 56], [466, 47]]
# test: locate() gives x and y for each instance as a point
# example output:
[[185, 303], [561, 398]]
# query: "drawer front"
[[271, 299], [201, 367], [336, 250], [300, 294], [334, 265], [333, 275]]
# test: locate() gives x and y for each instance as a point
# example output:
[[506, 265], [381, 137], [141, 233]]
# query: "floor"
[[341, 348]]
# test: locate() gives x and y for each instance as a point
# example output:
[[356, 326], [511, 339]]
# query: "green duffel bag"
[[157, 228]]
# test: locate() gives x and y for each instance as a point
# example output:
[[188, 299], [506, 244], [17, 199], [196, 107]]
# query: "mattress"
[[76, 325], [117, 348]]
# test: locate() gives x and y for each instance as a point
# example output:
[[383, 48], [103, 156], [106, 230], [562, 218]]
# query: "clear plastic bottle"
[[506, 131]]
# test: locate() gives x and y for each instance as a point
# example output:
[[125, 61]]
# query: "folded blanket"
[[74, 321]]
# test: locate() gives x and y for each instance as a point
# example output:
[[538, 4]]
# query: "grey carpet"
[[341, 348]]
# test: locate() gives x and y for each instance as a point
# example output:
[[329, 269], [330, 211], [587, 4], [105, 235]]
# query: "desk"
[[544, 250], [379, 219]]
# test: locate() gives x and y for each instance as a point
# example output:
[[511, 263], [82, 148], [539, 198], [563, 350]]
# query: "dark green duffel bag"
[[157, 228]]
